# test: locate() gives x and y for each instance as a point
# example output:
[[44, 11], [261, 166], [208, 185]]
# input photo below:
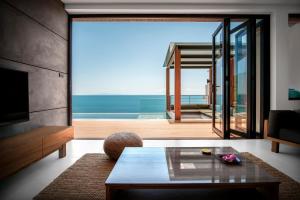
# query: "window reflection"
[[189, 164]]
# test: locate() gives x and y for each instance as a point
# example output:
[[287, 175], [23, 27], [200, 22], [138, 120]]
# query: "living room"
[[36, 108]]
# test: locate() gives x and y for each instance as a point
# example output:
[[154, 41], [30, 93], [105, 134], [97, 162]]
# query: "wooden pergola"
[[185, 56]]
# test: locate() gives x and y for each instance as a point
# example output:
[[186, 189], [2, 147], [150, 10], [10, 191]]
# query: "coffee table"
[[186, 168]]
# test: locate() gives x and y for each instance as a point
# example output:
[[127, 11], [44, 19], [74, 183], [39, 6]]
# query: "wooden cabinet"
[[19, 151], [56, 139]]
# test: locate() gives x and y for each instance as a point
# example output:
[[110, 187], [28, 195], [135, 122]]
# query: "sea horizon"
[[134, 95], [125, 106]]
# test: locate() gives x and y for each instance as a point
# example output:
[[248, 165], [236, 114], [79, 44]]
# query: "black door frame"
[[224, 27], [265, 50], [250, 84], [214, 90], [251, 77], [264, 26]]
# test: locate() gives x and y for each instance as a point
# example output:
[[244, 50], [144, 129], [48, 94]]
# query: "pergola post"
[[168, 99], [210, 87], [186, 56], [177, 92]]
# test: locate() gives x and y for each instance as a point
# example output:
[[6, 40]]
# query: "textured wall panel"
[[44, 52], [57, 117], [47, 89], [24, 40], [48, 12]]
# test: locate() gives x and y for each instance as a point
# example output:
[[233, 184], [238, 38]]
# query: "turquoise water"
[[125, 106]]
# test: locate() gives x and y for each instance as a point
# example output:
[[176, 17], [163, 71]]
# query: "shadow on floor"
[[192, 194]]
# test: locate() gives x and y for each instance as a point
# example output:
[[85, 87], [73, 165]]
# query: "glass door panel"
[[218, 70], [236, 73], [239, 70], [238, 79], [219, 81]]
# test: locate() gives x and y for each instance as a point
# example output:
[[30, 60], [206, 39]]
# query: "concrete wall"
[[294, 62], [33, 38], [284, 60]]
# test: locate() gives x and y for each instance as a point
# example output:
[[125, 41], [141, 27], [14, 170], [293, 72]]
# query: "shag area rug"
[[86, 177]]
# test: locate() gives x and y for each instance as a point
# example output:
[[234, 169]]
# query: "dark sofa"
[[284, 127]]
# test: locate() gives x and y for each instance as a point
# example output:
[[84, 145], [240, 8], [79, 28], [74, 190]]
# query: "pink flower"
[[229, 157]]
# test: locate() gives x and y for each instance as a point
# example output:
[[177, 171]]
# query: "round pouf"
[[115, 143]]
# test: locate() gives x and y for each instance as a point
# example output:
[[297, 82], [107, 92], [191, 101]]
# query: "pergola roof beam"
[[189, 66], [196, 62], [195, 47], [192, 55], [196, 56]]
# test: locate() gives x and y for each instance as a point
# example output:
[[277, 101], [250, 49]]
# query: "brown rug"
[[85, 180]]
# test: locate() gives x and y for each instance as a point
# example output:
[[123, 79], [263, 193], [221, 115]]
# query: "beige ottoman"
[[115, 143]]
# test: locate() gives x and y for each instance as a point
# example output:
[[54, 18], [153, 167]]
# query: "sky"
[[126, 58]]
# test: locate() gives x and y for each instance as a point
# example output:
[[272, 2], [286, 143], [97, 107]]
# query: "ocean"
[[125, 106]]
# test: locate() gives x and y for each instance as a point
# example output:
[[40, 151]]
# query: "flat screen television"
[[14, 98]]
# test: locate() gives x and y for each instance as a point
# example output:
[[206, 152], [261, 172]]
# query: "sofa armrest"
[[266, 128], [280, 119]]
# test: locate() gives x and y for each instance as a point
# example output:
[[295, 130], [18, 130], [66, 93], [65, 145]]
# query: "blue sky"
[[127, 57]]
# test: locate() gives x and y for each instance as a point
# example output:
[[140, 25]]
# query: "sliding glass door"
[[239, 77], [231, 67], [239, 67], [218, 75]]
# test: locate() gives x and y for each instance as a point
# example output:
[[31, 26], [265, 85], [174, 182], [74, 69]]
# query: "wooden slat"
[[276, 141], [195, 47], [196, 56], [177, 92], [196, 62], [146, 129], [283, 141], [192, 66]]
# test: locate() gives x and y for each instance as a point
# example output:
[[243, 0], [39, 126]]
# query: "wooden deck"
[[147, 129]]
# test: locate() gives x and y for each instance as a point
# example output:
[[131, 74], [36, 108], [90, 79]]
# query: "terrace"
[[193, 108]]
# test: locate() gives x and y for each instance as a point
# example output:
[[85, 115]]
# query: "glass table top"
[[183, 165]]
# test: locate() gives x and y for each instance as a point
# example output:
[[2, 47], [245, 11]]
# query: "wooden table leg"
[[271, 192], [108, 193], [275, 147], [62, 151]]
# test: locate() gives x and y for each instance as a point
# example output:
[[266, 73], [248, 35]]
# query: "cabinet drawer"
[[53, 142], [18, 152]]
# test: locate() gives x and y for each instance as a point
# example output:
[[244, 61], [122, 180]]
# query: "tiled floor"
[[31, 180]]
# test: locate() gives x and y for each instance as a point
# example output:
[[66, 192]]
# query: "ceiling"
[[183, 2], [176, 6]]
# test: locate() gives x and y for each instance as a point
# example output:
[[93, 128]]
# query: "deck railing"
[[192, 99]]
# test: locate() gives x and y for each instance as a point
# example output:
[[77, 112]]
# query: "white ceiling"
[[257, 2], [177, 6]]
